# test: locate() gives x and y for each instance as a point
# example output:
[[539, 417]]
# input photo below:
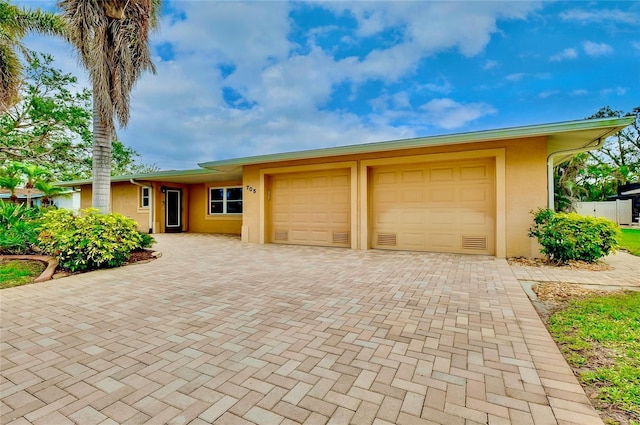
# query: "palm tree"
[[49, 191], [11, 178], [15, 23], [34, 175], [112, 37]]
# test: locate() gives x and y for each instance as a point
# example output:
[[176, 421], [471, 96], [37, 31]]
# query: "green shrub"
[[571, 236], [90, 241], [147, 241], [19, 228]]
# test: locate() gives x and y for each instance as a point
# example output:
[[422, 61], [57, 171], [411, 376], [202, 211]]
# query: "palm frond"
[[114, 51]]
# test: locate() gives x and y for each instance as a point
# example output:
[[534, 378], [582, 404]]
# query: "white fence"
[[618, 211]]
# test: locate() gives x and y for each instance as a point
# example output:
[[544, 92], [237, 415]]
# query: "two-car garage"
[[441, 206]]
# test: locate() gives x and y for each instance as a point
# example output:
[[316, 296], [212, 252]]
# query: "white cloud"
[[490, 64], [569, 53], [180, 116], [601, 15], [448, 114], [596, 49], [426, 28], [548, 93], [515, 76]]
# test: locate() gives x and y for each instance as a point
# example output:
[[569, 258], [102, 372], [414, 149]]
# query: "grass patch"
[[630, 240], [600, 335], [19, 272]]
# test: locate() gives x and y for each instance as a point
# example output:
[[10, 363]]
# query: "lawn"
[[19, 272], [630, 241], [600, 337]]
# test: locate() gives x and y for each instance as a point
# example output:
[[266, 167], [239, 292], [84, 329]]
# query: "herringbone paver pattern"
[[217, 331]]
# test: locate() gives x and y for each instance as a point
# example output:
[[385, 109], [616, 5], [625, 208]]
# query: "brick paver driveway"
[[217, 331]]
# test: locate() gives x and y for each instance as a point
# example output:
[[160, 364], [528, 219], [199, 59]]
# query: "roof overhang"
[[197, 175], [561, 136]]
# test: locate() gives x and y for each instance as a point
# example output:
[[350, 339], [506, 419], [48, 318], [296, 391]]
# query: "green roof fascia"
[[144, 177], [449, 139]]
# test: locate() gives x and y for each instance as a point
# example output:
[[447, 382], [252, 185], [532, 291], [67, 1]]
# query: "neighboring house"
[[465, 193], [24, 195], [69, 199], [630, 192]]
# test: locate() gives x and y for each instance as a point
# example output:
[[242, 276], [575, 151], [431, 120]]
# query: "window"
[[225, 200], [144, 197]]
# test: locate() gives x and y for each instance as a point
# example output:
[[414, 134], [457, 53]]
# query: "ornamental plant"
[[570, 236], [19, 228], [91, 240]]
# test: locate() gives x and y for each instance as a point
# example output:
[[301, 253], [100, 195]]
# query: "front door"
[[173, 210]]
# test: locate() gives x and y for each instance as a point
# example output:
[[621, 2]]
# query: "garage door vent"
[[474, 242], [387, 239], [281, 235], [341, 237]]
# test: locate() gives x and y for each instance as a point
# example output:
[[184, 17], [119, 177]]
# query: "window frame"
[[144, 197], [224, 201]]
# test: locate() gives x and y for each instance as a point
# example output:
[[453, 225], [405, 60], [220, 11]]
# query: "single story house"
[[463, 193], [69, 199]]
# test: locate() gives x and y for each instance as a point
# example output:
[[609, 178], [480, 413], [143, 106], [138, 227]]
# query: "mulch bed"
[[558, 293], [142, 255], [572, 264]]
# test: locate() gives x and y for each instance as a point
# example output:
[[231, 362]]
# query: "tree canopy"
[[15, 23], [596, 175], [50, 127]]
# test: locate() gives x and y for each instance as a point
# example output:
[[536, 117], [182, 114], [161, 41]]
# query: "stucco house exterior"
[[469, 193]]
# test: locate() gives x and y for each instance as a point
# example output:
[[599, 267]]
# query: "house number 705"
[[251, 189]]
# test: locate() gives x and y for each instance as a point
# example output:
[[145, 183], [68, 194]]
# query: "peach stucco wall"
[[523, 184], [202, 222], [124, 200]]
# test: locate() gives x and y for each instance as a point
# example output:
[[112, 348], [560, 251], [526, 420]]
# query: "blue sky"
[[248, 78]]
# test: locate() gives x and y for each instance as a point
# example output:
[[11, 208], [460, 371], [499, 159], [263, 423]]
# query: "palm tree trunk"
[[101, 187]]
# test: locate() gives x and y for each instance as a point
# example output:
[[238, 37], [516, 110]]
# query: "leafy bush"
[[19, 228], [92, 240], [571, 236]]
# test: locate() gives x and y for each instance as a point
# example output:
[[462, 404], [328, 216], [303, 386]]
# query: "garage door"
[[441, 207], [311, 208]]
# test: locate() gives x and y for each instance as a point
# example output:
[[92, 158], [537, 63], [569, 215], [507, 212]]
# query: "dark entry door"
[[173, 210]]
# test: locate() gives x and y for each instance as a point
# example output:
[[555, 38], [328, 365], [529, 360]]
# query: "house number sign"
[[251, 189]]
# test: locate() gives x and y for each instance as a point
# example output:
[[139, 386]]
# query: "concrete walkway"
[[624, 273], [216, 331]]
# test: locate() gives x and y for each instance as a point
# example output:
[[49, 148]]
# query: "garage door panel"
[[474, 194], [471, 218], [441, 195], [446, 207], [340, 198], [321, 181], [413, 217], [474, 172], [412, 196], [413, 176], [387, 196], [443, 241], [311, 208], [386, 178], [416, 240], [441, 174], [340, 181], [299, 183]]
